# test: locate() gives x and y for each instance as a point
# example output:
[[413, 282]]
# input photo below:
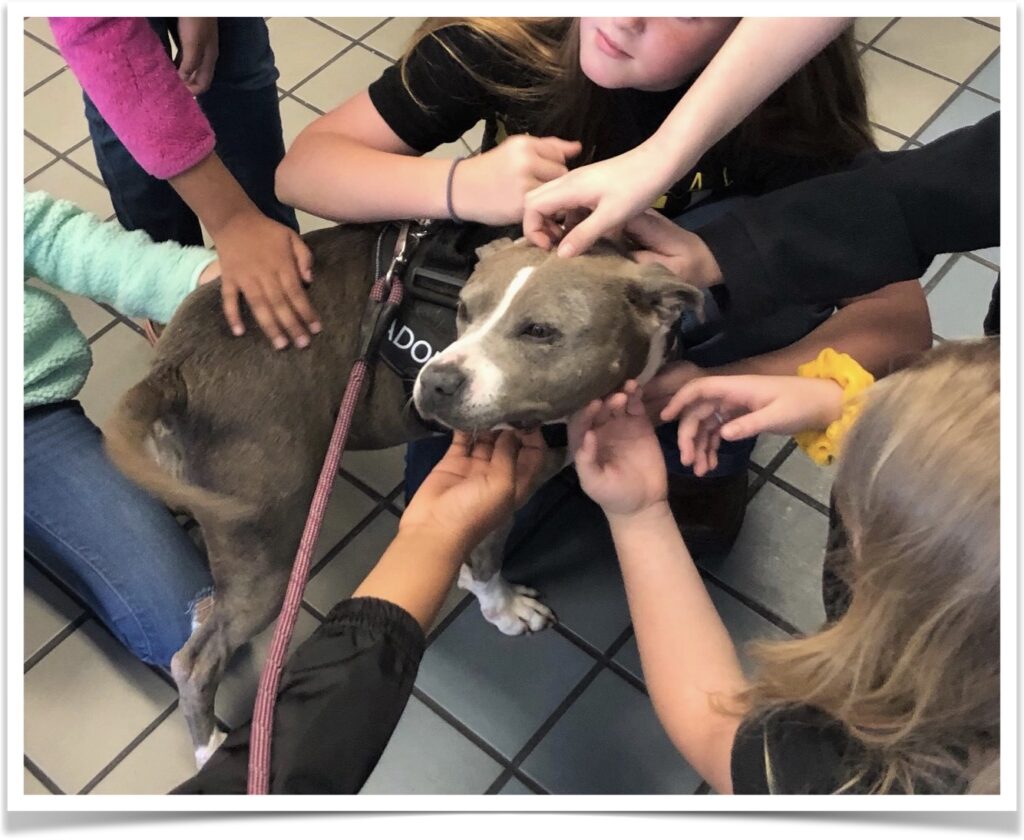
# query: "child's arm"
[[350, 166], [477, 484], [122, 66], [716, 408], [760, 54], [73, 250], [688, 658], [881, 330]]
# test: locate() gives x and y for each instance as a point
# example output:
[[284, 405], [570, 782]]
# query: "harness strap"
[[385, 295]]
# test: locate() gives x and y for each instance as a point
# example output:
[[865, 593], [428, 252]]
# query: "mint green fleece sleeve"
[[73, 250]]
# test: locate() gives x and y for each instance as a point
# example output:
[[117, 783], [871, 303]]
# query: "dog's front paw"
[[520, 612], [512, 608]]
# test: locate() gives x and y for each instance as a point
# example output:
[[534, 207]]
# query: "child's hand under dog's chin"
[[618, 457], [474, 488]]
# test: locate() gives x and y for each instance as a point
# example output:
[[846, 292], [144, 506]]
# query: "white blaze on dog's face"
[[541, 336]]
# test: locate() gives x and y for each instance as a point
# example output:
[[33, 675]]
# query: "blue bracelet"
[[448, 190]]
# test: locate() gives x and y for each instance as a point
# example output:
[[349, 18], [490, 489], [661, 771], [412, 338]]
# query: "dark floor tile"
[[609, 742], [502, 687]]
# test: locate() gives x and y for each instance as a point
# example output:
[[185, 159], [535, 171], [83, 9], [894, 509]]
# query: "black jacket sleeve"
[[340, 698], [852, 232]]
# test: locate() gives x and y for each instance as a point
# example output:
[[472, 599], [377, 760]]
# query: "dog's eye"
[[539, 332]]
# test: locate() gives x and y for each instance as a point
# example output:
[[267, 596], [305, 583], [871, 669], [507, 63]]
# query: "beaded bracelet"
[[822, 447]]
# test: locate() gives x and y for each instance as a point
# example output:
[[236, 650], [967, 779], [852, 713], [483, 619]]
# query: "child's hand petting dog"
[[717, 408], [477, 485], [618, 457]]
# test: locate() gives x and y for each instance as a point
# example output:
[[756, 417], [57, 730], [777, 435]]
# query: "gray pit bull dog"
[[234, 432]]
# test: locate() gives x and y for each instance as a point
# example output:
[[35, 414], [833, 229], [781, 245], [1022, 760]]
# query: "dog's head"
[[540, 336]]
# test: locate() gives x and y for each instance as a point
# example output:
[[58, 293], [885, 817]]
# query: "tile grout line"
[[750, 603], [606, 659], [527, 782], [961, 87], [909, 63], [351, 45], [58, 156], [42, 777], [973, 257], [987, 24], [460, 727], [944, 269], [346, 540], [37, 85], [48, 648], [797, 493], [131, 746], [892, 22], [361, 485], [574, 694], [42, 42], [102, 331]]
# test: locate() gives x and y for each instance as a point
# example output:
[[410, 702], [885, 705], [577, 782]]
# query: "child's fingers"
[[504, 453], [299, 300], [262, 313], [700, 445], [711, 388], [274, 288], [462, 443], [584, 418], [483, 448], [689, 425], [748, 425], [229, 302], [303, 258], [714, 442], [586, 455], [635, 401]]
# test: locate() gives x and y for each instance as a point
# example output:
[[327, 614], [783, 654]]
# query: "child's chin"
[[597, 69]]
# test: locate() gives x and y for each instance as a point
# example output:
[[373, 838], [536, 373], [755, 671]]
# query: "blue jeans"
[[116, 547], [242, 108]]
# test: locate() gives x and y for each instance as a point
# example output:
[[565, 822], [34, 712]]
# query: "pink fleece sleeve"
[[122, 65]]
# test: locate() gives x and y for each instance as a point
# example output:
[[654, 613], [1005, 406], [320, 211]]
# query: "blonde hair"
[[821, 111], [911, 670]]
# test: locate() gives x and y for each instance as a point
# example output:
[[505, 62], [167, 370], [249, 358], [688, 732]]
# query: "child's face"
[[653, 53]]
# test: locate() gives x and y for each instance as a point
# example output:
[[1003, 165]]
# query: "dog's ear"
[[493, 247], [657, 292]]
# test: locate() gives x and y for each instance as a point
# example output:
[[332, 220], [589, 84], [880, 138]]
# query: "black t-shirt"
[[444, 99], [799, 750]]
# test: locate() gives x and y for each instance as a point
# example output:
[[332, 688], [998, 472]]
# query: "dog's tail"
[[130, 441]]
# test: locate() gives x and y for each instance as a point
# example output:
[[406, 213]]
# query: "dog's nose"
[[444, 380]]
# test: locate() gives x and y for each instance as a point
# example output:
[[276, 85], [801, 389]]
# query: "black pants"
[[242, 107], [339, 701]]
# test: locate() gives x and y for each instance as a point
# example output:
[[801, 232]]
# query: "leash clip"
[[380, 312]]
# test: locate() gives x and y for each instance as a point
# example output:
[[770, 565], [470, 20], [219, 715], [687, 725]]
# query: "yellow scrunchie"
[[822, 447]]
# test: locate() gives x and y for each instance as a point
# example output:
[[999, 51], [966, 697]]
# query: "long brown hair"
[[911, 669], [821, 112]]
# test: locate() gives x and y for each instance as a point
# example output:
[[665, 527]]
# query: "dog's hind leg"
[[249, 589]]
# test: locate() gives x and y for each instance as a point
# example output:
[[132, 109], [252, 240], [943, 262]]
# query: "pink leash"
[[266, 696]]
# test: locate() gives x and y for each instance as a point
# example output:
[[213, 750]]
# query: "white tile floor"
[[563, 711]]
